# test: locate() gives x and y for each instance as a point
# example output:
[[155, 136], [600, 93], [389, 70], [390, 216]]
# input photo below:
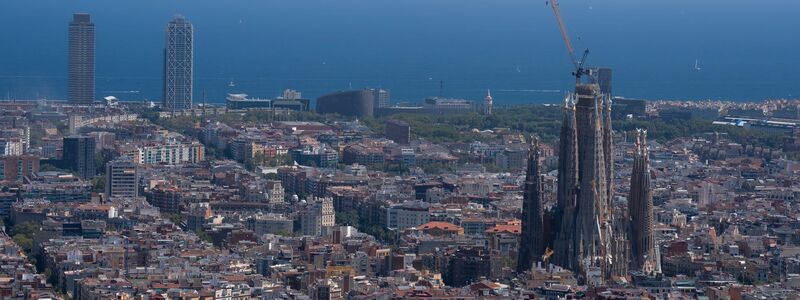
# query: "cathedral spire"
[[644, 251], [532, 244]]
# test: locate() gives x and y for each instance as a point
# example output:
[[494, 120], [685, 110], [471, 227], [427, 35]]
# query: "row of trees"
[[351, 218]]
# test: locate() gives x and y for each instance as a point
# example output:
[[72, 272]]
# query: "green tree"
[[203, 235], [348, 218], [99, 184], [27, 229], [25, 242], [23, 234]]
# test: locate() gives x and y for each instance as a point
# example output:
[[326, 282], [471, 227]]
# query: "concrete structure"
[[356, 103], [407, 215], [14, 168], [241, 101], [79, 155], [445, 106], [322, 157], [166, 198], [11, 147], [488, 103], [644, 253], [121, 178], [398, 131], [173, 153], [367, 155], [178, 65], [291, 100], [532, 244], [602, 77], [586, 242], [81, 60], [6, 201], [382, 98], [317, 216], [270, 224]]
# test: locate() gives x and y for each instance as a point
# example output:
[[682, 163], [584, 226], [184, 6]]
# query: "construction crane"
[[579, 69]]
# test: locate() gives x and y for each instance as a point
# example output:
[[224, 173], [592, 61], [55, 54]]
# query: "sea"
[[745, 50]]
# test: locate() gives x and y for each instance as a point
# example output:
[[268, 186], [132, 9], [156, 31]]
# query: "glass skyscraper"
[[178, 61], [81, 60]]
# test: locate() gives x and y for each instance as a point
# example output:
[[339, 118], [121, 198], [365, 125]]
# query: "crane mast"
[[579, 70]]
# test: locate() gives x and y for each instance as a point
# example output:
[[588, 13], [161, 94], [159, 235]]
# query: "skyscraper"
[[644, 253], [178, 64], [81, 60], [381, 98], [602, 77], [532, 244], [79, 155], [121, 178], [585, 240]]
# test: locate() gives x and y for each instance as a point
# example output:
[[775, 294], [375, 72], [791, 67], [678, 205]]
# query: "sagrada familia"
[[584, 231]]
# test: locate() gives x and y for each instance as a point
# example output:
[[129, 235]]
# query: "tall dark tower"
[[79, 155], [602, 77], [564, 213], [81, 60], [532, 245], [178, 64], [644, 253], [585, 242]]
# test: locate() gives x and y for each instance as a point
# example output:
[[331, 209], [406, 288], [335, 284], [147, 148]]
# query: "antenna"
[[441, 88], [204, 103]]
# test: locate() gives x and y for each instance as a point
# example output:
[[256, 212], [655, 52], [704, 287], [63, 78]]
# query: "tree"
[[23, 234], [203, 235], [99, 184], [348, 218], [24, 242], [176, 219], [27, 229]]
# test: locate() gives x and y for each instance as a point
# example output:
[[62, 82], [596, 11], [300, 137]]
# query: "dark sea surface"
[[747, 49]]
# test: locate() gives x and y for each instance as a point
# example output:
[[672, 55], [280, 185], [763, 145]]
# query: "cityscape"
[[354, 194]]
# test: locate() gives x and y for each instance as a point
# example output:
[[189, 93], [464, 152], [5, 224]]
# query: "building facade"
[[81, 60], [356, 103], [381, 98], [407, 215], [121, 178], [11, 147], [169, 154], [15, 168], [79, 155], [398, 131], [178, 64], [166, 198], [318, 215]]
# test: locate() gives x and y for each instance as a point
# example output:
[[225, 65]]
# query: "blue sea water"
[[747, 50]]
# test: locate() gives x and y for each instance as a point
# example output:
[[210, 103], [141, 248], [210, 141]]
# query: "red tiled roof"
[[439, 225]]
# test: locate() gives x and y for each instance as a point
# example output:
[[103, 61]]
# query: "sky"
[[746, 49]]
